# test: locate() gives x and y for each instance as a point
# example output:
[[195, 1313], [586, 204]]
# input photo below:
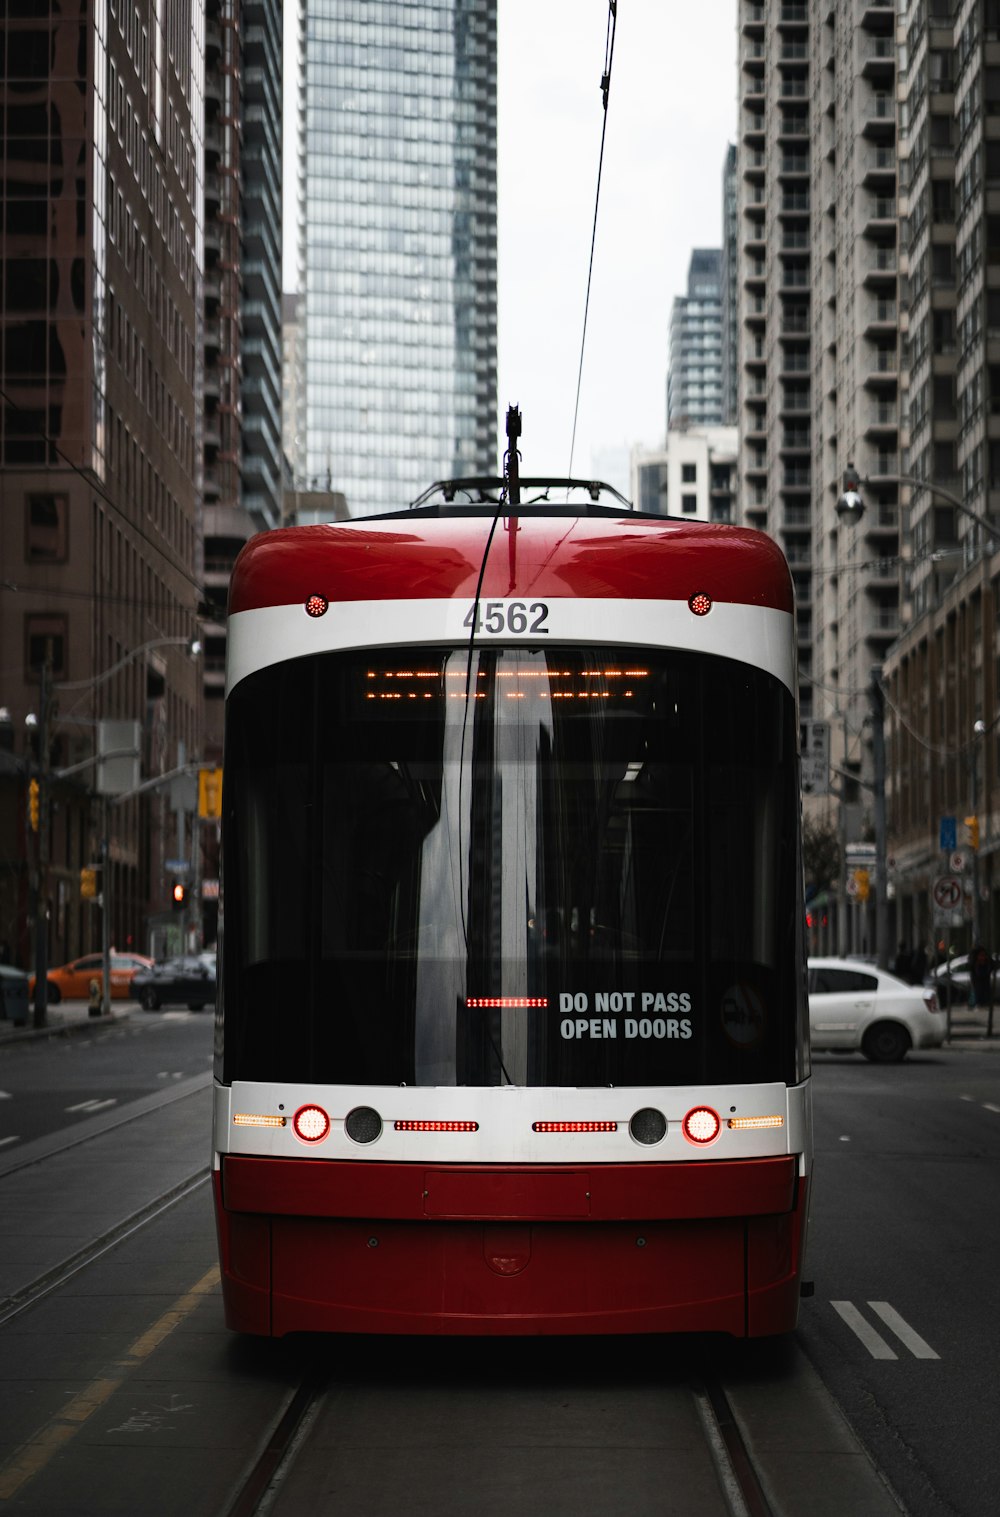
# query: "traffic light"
[[862, 880], [34, 803], [88, 884], [972, 832], [179, 895]]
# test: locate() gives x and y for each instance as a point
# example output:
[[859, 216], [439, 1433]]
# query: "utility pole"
[[881, 871], [40, 829]]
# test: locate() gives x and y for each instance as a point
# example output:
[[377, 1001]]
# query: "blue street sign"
[[949, 834]]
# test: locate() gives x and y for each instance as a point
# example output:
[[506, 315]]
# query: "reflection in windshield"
[[582, 872]]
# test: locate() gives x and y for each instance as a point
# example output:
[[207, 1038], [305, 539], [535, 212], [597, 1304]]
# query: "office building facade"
[[100, 516], [694, 375], [399, 247]]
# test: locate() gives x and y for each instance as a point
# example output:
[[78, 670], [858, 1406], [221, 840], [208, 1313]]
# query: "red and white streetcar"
[[513, 1029]]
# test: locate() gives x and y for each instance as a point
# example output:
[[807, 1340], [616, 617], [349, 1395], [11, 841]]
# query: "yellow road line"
[[32, 1457]]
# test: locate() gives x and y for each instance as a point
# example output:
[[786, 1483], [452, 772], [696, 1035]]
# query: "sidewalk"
[[65, 1020], [969, 1025]]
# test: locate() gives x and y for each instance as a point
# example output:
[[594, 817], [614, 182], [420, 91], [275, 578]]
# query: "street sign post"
[[815, 749], [947, 892]]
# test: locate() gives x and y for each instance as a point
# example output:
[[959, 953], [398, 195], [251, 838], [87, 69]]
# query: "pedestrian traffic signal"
[[972, 832], [34, 803], [88, 884], [862, 881], [179, 895]]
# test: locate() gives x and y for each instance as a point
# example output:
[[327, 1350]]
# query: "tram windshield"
[[559, 866]]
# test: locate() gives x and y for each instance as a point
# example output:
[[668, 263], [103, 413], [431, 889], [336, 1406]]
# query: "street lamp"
[[851, 505]]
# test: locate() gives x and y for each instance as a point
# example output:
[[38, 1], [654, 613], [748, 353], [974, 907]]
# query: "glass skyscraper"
[[399, 231]]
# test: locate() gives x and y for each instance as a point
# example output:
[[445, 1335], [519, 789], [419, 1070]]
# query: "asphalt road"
[[47, 1084], [904, 1251], [904, 1245]]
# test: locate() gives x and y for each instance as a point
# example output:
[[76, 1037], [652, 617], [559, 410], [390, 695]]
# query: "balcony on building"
[[752, 20], [881, 363], [793, 85], [879, 213], [878, 61], [753, 121], [880, 421], [792, 123], [878, 16], [793, 16], [755, 431], [883, 628], [880, 266], [755, 274], [878, 169], [754, 164], [879, 111], [796, 477], [880, 318]]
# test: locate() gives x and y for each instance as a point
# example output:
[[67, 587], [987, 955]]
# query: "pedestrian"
[[918, 965], [981, 976]]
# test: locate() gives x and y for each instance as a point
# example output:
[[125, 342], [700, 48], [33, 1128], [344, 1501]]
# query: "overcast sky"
[[671, 114]]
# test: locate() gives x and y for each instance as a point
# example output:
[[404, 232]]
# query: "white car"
[[854, 1005]]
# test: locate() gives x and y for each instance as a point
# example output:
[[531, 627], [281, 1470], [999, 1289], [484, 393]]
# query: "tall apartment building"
[[942, 674], [100, 511], [400, 239], [729, 279], [694, 375], [241, 437], [778, 302], [870, 336]]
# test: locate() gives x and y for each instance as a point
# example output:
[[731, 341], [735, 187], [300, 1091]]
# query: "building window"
[[42, 633], [689, 473], [689, 504], [46, 538]]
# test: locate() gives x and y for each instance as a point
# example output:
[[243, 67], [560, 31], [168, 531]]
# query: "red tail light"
[[701, 1125], [409, 1125], [311, 1124], [574, 1126]]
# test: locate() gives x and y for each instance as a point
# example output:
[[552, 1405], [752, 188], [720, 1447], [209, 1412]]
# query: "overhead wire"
[[609, 52]]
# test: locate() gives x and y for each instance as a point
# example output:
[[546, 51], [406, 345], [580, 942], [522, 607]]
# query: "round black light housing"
[[363, 1124], [648, 1125]]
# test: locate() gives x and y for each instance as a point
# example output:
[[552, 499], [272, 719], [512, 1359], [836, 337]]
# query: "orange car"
[[71, 982]]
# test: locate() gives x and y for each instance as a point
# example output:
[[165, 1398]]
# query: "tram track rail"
[[740, 1482], [111, 1230], [50, 1280]]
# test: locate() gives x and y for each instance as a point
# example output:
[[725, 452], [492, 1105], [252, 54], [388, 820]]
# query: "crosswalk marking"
[[904, 1332], [873, 1340]]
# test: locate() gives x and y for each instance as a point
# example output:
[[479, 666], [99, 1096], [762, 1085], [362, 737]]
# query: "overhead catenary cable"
[[609, 52]]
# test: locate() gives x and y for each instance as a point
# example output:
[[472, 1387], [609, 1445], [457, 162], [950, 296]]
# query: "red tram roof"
[[534, 554]]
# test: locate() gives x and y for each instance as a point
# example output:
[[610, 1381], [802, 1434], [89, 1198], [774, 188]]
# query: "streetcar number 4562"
[[498, 616]]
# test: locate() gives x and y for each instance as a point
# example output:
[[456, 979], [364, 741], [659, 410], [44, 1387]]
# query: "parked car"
[[951, 981], [854, 1005], [185, 981], [71, 982]]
